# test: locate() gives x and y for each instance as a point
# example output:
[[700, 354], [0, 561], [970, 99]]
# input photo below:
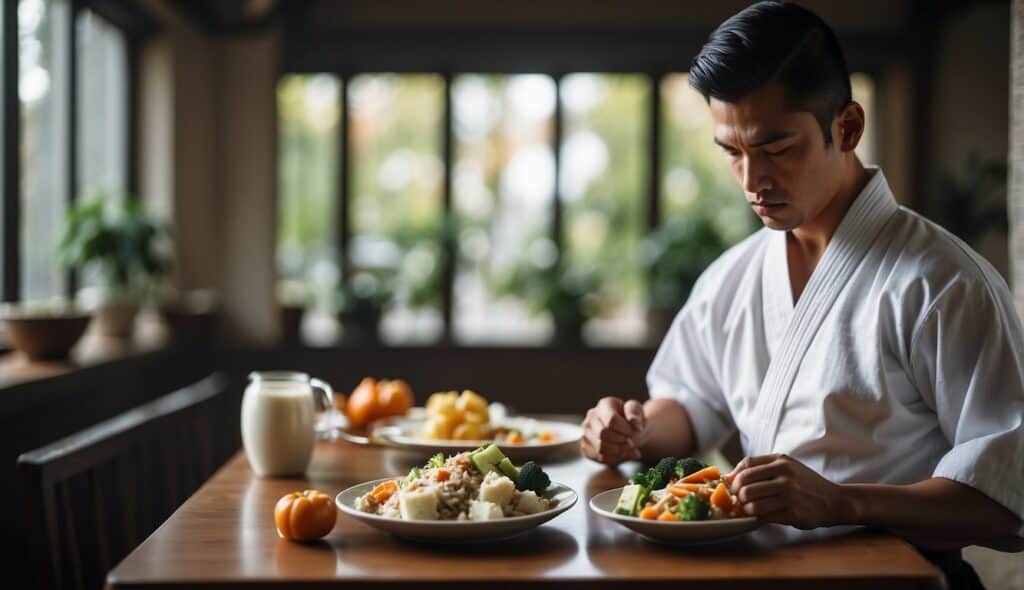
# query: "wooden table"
[[224, 536]]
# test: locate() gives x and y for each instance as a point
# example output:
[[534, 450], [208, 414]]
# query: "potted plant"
[[360, 304], [569, 297], [116, 240], [673, 257]]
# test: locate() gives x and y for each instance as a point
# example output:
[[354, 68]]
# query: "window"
[[72, 140], [468, 192], [503, 188], [43, 92]]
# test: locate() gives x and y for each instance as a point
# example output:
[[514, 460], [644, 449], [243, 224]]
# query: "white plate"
[[454, 531], [404, 432], [680, 533]]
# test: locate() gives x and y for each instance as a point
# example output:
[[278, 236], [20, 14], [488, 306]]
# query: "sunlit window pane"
[[42, 89], [102, 117], [696, 179], [603, 186], [397, 181], [503, 187], [308, 136]]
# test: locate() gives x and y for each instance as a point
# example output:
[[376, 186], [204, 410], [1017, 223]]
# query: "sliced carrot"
[[383, 491], [514, 438], [649, 513], [442, 475], [728, 477], [668, 516], [546, 437], [681, 490], [721, 498], [707, 474]]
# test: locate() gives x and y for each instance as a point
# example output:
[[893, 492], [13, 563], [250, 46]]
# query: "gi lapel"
[[867, 216]]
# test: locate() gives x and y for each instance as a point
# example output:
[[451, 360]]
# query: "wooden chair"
[[93, 496]]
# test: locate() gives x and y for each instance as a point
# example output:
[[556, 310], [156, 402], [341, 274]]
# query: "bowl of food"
[[678, 501], [464, 498]]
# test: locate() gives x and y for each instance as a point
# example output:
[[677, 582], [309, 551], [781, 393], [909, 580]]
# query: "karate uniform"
[[901, 360]]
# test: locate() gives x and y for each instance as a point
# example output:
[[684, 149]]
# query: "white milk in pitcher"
[[277, 426]]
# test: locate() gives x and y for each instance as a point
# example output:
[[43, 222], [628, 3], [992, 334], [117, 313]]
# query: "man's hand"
[[777, 488], [613, 431]]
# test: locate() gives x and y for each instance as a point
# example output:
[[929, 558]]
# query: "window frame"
[[136, 26]]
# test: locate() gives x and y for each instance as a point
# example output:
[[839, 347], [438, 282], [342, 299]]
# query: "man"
[[872, 364]]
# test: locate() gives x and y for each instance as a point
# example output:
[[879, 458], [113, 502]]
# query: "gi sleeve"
[[966, 355], [682, 371]]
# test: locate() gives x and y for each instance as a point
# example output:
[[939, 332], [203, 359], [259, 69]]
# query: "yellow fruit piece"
[[470, 401], [442, 402], [466, 431], [476, 418], [437, 428]]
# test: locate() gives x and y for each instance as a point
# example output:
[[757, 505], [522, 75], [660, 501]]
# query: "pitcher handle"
[[327, 396]]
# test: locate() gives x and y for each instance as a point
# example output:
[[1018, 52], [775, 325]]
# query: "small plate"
[[403, 432], [676, 533], [454, 531]]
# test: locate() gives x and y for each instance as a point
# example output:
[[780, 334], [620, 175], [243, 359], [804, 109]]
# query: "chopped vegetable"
[[631, 499], [532, 477], [665, 468], [546, 436], [693, 507], [687, 466], [514, 438], [681, 490], [414, 474], [667, 516], [721, 498], [649, 513], [707, 474], [442, 475], [436, 461], [383, 491]]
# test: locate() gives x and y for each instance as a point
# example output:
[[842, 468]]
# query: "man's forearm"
[[669, 432], [936, 513]]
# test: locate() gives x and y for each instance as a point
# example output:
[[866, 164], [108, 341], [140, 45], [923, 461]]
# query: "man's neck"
[[805, 244], [813, 236]]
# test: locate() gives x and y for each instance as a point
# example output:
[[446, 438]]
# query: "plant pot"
[[290, 319], [45, 337], [117, 320], [360, 329]]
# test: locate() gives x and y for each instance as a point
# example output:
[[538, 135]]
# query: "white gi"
[[901, 361]]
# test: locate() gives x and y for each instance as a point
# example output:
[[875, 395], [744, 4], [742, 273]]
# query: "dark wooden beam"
[[11, 170], [447, 239]]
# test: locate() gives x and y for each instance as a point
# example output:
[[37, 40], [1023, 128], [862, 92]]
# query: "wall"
[[208, 143]]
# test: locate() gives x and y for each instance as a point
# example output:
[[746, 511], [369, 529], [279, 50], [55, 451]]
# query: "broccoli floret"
[[532, 477], [693, 507], [436, 461], [687, 466], [665, 468]]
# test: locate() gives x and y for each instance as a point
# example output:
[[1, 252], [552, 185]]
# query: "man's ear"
[[848, 126]]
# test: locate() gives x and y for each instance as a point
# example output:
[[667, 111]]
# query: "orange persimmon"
[[721, 498], [305, 515], [707, 474], [373, 399]]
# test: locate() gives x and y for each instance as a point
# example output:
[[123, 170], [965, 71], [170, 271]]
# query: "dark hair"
[[776, 42]]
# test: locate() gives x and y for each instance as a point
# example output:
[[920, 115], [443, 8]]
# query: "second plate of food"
[[466, 498]]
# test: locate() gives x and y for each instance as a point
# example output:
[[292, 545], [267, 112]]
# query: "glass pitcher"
[[280, 412]]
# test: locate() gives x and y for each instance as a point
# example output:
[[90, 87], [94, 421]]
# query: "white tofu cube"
[[530, 503], [418, 504], [484, 511], [497, 488]]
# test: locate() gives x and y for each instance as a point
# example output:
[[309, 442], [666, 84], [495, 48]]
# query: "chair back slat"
[[93, 496]]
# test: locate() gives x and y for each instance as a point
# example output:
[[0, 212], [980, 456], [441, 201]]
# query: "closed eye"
[[777, 152]]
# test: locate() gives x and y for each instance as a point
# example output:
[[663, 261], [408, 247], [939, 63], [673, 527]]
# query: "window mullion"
[[344, 183], [11, 155], [654, 154], [556, 217], [448, 227], [71, 104]]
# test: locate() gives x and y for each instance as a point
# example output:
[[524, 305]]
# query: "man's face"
[[779, 157]]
